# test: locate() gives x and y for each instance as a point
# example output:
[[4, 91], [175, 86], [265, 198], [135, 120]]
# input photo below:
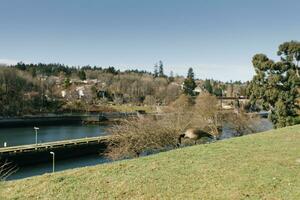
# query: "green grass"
[[261, 166]]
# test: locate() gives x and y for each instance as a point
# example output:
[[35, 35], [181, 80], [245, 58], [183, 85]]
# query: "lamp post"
[[53, 161], [36, 133]]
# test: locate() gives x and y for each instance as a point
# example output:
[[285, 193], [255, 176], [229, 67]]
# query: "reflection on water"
[[39, 169], [26, 135], [262, 125]]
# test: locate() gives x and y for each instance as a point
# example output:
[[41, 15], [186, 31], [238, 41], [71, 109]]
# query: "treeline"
[[37, 88], [42, 88], [56, 69], [20, 93]]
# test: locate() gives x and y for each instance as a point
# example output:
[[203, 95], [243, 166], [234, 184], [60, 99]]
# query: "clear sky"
[[216, 37]]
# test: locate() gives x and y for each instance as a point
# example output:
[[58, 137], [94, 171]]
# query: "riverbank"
[[65, 119], [259, 166]]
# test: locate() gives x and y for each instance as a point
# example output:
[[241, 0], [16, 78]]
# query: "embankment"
[[259, 166]]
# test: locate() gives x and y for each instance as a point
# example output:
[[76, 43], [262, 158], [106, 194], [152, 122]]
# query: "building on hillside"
[[198, 90], [63, 94], [80, 91]]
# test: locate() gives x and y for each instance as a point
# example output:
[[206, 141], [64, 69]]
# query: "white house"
[[63, 94], [80, 91]]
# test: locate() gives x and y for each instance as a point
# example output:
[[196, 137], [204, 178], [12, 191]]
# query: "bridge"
[[48, 146]]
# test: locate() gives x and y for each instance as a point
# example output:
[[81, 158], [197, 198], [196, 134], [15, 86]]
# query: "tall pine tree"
[[155, 71], [276, 84], [189, 83], [161, 69]]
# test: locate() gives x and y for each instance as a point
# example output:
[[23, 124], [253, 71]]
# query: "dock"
[[52, 145]]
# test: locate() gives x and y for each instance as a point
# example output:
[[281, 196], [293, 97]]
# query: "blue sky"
[[218, 38]]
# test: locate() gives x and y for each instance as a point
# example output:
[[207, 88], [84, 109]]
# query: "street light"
[[53, 161], [36, 132]]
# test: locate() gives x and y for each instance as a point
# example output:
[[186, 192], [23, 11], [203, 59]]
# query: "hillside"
[[260, 166]]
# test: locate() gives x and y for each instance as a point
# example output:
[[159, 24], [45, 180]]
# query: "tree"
[[184, 103], [218, 92], [111, 70], [81, 75], [161, 69], [150, 100], [131, 138], [290, 52], [276, 84], [67, 82], [189, 83], [207, 85], [207, 113], [171, 77], [242, 123], [155, 71]]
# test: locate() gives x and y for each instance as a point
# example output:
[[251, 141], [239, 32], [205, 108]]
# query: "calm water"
[[26, 135], [39, 169]]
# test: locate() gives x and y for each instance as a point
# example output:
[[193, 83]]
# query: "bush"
[[183, 104], [242, 123], [206, 113], [147, 134], [132, 138]]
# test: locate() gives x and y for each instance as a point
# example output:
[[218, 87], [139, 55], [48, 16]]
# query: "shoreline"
[[53, 119]]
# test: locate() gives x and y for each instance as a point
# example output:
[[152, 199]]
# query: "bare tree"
[[6, 169], [207, 114], [242, 123], [143, 135]]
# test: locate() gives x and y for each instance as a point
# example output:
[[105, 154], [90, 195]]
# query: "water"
[[20, 136], [26, 135], [262, 125], [39, 169]]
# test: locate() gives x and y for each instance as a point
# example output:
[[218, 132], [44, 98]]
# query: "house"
[[80, 91], [198, 90], [63, 93]]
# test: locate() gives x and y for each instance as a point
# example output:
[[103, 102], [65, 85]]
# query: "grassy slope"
[[261, 166]]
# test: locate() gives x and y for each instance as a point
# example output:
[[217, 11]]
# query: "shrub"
[[206, 113], [132, 138], [242, 123]]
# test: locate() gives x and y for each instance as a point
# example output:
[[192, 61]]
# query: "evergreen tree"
[[81, 75], [218, 92], [276, 84], [160, 69], [155, 71], [207, 85], [67, 82], [189, 83]]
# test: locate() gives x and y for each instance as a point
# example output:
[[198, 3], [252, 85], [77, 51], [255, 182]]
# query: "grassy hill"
[[260, 166]]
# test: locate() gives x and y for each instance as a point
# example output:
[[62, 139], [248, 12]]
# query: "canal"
[[26, 135]]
